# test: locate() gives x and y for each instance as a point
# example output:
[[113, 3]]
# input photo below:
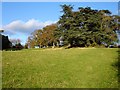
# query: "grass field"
[[60, 68]]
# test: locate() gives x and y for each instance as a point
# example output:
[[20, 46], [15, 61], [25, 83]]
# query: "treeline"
[[43, 37], [82, 28]]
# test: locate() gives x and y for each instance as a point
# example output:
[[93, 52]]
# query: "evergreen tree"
[[86, 27]]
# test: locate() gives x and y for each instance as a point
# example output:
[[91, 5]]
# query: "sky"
[[20, 19]]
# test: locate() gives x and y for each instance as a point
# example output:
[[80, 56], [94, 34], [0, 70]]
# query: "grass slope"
[[62, 68]]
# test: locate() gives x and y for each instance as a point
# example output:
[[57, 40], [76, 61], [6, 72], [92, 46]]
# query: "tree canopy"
[[43, 37], [87, 27], [84, 27]]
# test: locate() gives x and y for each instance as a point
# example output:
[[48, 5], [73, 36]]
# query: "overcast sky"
[[19, 19]]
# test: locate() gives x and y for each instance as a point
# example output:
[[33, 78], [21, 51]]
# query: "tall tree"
[[86, 27], [43, 37]]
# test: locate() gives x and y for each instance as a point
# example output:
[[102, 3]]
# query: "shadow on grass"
[[117, 66]]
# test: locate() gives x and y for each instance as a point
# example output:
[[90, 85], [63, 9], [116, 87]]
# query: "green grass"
[[61, 68]]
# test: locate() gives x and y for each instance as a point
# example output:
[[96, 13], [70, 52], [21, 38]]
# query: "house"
[[4, 42]]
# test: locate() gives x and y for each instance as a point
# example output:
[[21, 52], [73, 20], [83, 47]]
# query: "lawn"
[[60, 68]]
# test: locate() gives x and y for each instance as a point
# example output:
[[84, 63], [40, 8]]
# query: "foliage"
[[86, 27], [43, 37], [26, 46], [16, 44], [15, 41]]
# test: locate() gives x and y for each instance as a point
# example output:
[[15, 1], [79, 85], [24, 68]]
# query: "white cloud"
[[25, 27], [20, 29]]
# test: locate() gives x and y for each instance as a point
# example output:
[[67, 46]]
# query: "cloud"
[[20, 29], [19, 26]]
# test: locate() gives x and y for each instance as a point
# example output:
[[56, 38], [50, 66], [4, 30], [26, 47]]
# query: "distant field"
[[60, 68]]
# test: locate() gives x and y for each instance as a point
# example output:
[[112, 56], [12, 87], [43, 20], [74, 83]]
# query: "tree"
[[31, 42], [16, 44], [15, 41], [48, 35], [86, 27], [43, 37], [26, 46]]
